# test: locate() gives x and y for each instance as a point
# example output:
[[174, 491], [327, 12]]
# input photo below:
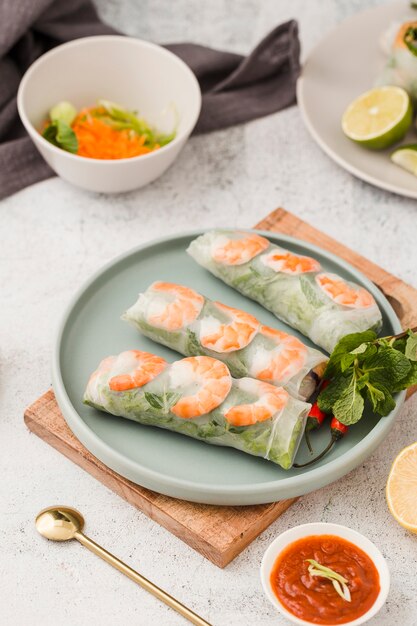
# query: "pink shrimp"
[[238, 250], [142, 367], [342, 293], [271, 400], [283, 261], [180, 306], [233, 335], [283, 362], [213, 381], [104, 367]]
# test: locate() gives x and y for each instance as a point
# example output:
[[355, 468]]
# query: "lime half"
[[378, 118], [406, 157]]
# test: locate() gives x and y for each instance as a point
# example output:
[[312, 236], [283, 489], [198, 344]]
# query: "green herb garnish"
[[120, 119], [338, 581], [363, 368], [410, 39], [162, 402], [60, 134]]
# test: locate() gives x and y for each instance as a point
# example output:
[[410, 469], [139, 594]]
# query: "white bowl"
[[135, 74], [321, 528]]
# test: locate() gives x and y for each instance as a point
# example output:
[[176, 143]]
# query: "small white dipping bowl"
[[139, 76], [321, 528]]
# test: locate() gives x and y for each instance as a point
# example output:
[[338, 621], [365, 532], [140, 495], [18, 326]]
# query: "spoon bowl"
[[63, 523], [59, 523]]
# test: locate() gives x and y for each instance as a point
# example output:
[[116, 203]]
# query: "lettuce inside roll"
[[321, 305], [184, 320], [198, 397]]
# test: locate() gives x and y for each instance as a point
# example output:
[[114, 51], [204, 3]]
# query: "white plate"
[[342, 66]]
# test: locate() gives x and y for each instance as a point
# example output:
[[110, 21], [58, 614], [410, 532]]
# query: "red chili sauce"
[[314, 598]]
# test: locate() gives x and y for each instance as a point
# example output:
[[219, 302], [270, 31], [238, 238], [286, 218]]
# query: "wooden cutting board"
[[218, 533]]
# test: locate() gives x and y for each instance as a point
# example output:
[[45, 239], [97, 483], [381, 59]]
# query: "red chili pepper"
[[315, 419], [316, 416], [338, 430]]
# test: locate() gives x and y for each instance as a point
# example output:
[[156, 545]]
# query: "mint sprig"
[[366, 369]]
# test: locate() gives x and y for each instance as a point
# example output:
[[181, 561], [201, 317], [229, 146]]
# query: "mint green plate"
[[166, 462]]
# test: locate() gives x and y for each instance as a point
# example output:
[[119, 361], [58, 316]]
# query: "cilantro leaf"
[[348, 409]]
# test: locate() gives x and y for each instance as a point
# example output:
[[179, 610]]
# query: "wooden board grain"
[[218, 533]]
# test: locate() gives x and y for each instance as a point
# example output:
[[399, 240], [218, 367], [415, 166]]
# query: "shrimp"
[[240, 250], [104, 367], [271, 399], [138, 368], [281, 363], [177, 307], [212, 379], [399, 38], [281, 260], [342, 293], [233, 335]]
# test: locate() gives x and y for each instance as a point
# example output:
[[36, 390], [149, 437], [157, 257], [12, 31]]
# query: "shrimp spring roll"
[[400, 41], [198, 397], [184, 320], [321, 305]]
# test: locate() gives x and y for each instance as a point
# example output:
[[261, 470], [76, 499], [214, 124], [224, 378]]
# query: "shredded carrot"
[[99, 140]]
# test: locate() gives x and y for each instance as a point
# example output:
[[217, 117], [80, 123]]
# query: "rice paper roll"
[[198, 397], [321, 305], [400, 42], [184, 320]]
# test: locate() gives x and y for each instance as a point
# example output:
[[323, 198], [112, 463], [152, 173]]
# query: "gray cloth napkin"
[[235, 89]]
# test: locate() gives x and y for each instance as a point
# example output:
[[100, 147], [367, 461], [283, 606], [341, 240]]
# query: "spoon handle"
[[141, 580]]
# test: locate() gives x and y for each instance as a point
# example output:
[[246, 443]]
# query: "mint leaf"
[[387, 367], [162, 402], [409, 380], [375, 395], [347, 360], [411, 347], [345, 345], [348, 409], [360, 349], [333, 391], [380, 398], [61, 135], [310, 293], [154, 400]]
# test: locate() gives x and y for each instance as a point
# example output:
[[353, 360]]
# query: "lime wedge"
[[378, 118], [406, 157]]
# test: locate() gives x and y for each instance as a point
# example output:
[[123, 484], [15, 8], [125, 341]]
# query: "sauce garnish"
[[313, 598]]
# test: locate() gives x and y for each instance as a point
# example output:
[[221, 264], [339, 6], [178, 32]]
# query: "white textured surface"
[[53, 236]]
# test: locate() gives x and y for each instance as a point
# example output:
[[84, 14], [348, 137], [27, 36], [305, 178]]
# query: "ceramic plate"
[[342, 66], [167, 462]]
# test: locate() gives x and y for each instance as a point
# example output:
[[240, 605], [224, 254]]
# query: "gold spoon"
[[62, 523]]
